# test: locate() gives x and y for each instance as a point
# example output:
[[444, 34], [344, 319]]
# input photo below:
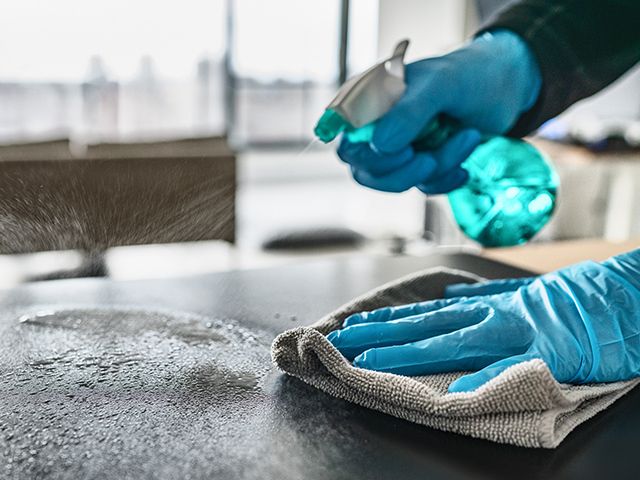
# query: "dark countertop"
[[172, 379]]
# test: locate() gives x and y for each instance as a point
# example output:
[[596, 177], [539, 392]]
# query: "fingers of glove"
[[362, 156], [416, 171], [473, 381], [449, 174], [421, 102], [456, 149], [486, 288], [470, 348], [445, 183], [394, 313], [352, 341]]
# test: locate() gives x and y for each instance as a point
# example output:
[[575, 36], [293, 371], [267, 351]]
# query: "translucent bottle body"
[[510, 194]]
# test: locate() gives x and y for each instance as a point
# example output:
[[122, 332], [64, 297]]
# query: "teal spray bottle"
[[511, 191]]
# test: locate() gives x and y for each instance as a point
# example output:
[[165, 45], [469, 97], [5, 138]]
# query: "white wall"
[[433, 26]]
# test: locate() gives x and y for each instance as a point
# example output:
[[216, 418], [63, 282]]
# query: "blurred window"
[[111, 67], [119, 68], [285, 63]]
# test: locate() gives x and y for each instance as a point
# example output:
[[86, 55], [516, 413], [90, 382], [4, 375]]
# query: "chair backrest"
[[117, 194], [50, 149]]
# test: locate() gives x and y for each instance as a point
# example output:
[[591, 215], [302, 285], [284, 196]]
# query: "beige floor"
[[547, 257]]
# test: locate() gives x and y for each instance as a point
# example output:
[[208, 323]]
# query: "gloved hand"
[[583, 321], [485, 85]]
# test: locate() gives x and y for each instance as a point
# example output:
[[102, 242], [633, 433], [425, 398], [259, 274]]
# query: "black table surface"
[[173, 379]]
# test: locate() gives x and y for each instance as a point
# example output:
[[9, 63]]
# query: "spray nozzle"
[[366, 97]]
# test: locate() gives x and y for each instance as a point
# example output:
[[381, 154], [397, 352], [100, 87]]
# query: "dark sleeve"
[[581, 46]]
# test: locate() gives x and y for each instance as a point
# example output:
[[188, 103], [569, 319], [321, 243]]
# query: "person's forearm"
[[581, 46]]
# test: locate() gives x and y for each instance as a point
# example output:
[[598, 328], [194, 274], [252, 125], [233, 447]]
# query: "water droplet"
[[35, 317]]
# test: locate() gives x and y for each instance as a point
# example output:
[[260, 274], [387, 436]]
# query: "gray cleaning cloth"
[[523, 406]]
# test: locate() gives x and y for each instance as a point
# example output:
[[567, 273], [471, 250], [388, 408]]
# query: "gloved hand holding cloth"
[[582, 321]]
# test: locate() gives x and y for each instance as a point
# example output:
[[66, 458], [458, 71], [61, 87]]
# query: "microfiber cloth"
[[523, 406]]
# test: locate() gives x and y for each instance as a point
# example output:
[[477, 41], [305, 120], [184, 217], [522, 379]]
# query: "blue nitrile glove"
[[582, 321], [486, 85]]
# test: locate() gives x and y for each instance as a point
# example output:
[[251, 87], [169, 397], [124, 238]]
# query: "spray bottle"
[[511, 191]]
